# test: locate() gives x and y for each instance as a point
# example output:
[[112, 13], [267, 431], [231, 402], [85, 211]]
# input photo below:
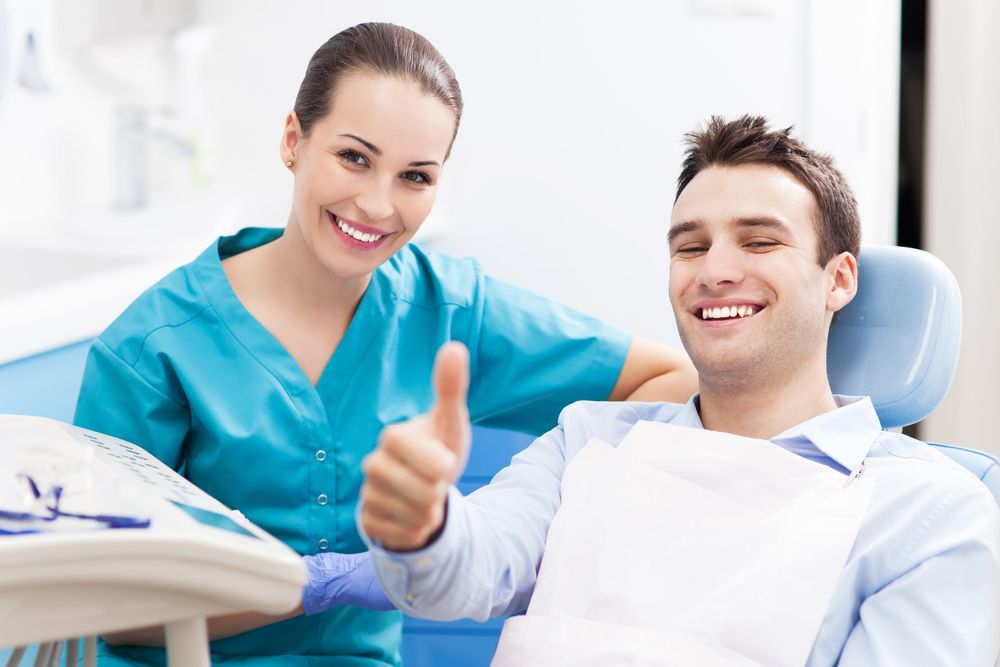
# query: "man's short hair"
[[748, 140]]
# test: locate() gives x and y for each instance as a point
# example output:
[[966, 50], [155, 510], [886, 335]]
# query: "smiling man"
[[764, 522]]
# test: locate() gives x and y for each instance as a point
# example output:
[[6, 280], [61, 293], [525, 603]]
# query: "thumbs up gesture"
[[408, 475]]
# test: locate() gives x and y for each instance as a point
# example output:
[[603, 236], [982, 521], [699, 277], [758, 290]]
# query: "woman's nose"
[[375, 200]]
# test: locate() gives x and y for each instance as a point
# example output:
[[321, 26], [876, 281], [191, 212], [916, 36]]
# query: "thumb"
[[450, 414]]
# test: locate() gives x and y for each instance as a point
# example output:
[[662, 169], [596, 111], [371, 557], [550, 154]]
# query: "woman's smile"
[[356, 235]]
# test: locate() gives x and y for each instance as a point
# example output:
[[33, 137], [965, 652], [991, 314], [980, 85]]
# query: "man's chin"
[[727, 372]]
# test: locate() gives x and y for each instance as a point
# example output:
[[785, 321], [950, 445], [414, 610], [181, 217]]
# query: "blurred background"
[[133, 132]]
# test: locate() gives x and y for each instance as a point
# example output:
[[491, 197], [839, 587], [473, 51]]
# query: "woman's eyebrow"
[[369, 145], [378, 151]]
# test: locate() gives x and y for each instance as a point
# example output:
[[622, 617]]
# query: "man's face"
[[751, 302]]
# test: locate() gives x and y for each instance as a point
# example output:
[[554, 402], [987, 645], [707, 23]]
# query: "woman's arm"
[[219, 627], [655, 372], [332, 579]]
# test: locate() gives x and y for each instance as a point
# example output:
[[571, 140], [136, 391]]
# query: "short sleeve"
[[534, 357], [117, 401]]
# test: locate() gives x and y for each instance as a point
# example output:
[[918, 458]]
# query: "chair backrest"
[[898, 342]]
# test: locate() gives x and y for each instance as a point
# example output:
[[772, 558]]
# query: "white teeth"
[[355, 234], [745, 310]]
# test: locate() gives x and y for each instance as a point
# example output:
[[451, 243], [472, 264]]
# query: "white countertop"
[[61, 287]]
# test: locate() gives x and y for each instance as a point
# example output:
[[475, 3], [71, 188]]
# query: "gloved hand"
[[338, 579]]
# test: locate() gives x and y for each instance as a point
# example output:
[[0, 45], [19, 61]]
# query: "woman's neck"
[[305, 281]]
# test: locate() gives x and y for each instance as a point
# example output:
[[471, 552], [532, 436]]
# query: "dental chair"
[[897, 342]]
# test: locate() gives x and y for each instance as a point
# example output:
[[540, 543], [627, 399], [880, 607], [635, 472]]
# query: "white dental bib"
[[687, 547]]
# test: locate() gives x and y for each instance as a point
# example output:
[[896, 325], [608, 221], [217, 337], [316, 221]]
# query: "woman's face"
[[367, 174]]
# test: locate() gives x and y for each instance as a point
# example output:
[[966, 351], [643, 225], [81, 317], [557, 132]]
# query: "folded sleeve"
[[532, 357], [944, 607], [117, 401]]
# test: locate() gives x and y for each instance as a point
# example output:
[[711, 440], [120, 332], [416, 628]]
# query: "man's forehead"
[[720, 195]]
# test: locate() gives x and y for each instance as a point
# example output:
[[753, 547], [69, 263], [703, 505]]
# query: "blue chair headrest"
[[898, 340]]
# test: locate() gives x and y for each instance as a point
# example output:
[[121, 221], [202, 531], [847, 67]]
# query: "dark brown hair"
[[748, 140], [379, 48]]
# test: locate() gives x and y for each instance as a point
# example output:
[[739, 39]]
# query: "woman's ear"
[[843, 270], [291, 139]]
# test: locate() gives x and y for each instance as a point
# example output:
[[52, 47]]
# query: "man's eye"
[[353, 156], [761, 244], [418, 177], [691, 249]]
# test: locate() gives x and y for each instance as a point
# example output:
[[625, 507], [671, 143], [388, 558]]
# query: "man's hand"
[[408, 475]]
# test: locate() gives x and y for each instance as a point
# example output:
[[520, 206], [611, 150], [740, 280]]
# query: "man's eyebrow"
[[683, 228], [369, 145], [760, 221]]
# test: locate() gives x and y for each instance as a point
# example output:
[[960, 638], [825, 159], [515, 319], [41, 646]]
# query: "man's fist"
[[408, 475]]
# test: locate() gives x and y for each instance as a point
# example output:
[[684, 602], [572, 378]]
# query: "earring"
[[288, 164]]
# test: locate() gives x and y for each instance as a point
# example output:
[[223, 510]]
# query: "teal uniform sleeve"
[[533, 357], [116, 400]]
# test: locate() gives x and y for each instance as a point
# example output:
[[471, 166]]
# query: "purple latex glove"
[[338, 579]]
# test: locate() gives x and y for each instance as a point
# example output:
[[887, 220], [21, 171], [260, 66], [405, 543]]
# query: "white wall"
[[962, 203], [563, 174], [562, 177]]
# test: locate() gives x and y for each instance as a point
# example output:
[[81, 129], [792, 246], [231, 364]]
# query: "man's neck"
[[765, 411]]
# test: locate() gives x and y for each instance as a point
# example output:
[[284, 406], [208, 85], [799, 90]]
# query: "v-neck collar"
[[261, 344]]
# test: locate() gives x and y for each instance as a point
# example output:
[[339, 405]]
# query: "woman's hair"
[[379, 48]]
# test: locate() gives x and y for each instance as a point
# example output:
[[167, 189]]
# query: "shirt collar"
[[845, 435]]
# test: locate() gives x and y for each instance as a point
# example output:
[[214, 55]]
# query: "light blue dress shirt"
[[921, 585], [187, 373]]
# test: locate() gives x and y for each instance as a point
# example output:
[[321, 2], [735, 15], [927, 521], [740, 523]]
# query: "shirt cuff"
[[407, 576]]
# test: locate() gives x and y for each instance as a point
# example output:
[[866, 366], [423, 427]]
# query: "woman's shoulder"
[[173, 301], [432, 279]]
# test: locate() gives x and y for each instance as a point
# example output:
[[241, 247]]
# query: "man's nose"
[[375, 198], [721, 265]]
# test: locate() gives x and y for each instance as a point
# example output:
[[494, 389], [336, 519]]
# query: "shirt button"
[[320, 455], [323, 544], [322, 499]]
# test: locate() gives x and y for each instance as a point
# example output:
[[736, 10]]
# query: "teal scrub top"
[[187, 373]]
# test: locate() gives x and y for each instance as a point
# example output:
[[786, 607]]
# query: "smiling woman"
[[266, 368]]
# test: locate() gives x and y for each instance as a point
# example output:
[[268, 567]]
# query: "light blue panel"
[[898, 340], [45, 385]]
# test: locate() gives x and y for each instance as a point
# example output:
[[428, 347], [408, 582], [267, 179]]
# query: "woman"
[[277, 356]]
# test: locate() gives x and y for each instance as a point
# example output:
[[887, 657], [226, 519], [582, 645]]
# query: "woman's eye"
[[418, 177], [353, 156]]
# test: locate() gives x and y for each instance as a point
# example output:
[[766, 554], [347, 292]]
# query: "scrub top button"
[[322, 499], [323, 544], [320, 455]]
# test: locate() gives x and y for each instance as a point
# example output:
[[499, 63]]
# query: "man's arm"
[[944, 607], [441, 555], [655, 372]]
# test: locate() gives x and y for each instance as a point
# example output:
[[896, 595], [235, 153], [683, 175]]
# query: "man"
[[765, 522]]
